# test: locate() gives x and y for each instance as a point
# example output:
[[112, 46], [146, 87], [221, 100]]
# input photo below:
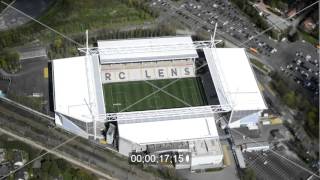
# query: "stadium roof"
[[167, 131], [73, 92], [234, 78], [147, 49]]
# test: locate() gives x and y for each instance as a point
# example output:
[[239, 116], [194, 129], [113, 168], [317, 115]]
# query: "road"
[[269, 166], [81, 151], [234, 29], [56, 153], [287, 115]]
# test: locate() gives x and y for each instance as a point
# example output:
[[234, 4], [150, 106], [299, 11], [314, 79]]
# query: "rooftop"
[[234, 79], [155, 132], [75, 90], [146, 49]]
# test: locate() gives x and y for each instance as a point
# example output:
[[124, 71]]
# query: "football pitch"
[[128, 96]]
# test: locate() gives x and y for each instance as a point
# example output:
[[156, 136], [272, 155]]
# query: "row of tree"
[[9, 60], [55, 18], [64, 48], [142, 5], [254, 16], [308, 112], [52, 168]]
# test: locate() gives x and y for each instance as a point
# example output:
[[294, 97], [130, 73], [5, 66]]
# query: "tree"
[[9, 60], [290, 99], [249, 175], [57, 43], [54, 170], [312, 122]]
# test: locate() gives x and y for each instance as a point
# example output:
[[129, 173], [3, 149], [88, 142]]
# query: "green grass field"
[[70, 16], [73, 17], [119, 96]]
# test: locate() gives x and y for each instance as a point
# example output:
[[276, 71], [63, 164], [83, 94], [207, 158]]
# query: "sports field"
[[120, 96]]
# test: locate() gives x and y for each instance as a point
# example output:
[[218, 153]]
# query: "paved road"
[[194, 14], [57, 153], [234, 27], [36, 130], [287, 115], [269, 166], [227, 173]]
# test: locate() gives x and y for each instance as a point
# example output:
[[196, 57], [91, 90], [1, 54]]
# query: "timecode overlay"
[[165, 158]]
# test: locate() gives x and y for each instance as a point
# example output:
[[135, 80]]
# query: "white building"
[[235, 84], [80, 107]]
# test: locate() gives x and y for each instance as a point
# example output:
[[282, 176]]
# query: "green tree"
[[290, 99], [312, 122], [9, 60], [249, 175], [57, 43], [54, 170]]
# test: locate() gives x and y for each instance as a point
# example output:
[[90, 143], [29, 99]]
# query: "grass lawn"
[[119, 96], [307, 37], [260, 65], [73, 16]]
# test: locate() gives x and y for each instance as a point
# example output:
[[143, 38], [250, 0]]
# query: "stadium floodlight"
[[213, 45], [87, 42]]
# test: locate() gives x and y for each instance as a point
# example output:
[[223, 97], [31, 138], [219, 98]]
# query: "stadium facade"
[[80, 104]]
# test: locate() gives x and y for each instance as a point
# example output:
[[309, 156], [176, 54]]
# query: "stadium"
[[157, 95]]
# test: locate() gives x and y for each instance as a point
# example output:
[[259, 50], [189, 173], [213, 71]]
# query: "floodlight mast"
[[89, 104], [213, 37], [87, 42]]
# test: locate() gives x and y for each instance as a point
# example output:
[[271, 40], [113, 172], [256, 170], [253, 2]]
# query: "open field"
[[119, 96], [309, 38], [73, 17]]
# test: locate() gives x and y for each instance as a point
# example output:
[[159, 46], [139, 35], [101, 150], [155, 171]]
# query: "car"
[[298, 62], [308, 57], [289, 66], [307, 84], [274, 50], [304, 74]]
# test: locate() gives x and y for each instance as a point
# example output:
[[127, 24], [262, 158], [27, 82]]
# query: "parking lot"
[[231, 25], [302, 66], [236, 27], [270, 166], [30, 81]]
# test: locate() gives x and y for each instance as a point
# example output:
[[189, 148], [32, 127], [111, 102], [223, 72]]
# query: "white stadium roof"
[[234, 78], [171, 130], [73, 92], [147, 49]]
